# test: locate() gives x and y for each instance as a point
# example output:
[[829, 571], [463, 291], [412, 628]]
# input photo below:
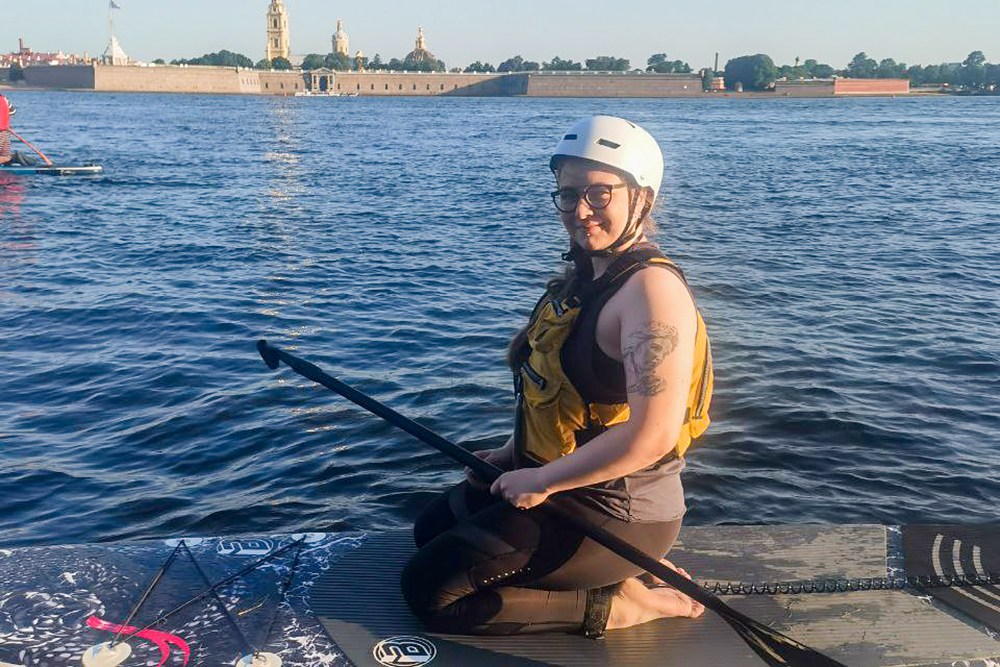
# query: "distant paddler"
[[6, 111], [15, 158]]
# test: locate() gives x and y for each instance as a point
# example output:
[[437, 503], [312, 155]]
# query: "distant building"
[[341, 44], [420, 52], [114, 54], [871, 87], [25, 57], [842, 86], [278, 41]]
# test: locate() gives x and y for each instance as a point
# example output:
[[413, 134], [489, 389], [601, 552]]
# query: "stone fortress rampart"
[[236, 81], [228, 80]]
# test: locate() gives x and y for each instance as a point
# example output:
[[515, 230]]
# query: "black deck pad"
[[958, 550], [358, 601], [360, 604]]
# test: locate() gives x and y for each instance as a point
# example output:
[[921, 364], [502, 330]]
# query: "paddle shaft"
[[490, 472], [26, 143], [482, 468], [746, 627]]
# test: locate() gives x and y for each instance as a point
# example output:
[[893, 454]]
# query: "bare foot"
[[635, 604]]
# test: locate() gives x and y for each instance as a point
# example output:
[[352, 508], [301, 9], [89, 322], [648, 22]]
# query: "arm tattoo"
[[647, 348]]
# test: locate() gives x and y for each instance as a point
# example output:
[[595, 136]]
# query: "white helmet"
[[617, 143]]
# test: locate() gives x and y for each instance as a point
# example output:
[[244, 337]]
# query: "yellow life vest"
[[553, 417]]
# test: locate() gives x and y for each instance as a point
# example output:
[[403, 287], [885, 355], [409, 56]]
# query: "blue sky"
[[912, 31]]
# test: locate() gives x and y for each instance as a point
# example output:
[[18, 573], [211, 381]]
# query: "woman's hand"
[[500, 457], [521, 488]]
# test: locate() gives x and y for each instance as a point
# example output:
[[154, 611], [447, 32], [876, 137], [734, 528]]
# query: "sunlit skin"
[[596, 229]]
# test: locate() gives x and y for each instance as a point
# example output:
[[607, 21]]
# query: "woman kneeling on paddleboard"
[[613, 378]]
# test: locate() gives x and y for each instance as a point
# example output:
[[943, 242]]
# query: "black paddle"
[[773, 647]]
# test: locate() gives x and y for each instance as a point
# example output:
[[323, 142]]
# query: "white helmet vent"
[[609, 144], [569, 137]]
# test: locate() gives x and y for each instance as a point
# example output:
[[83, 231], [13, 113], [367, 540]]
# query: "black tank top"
[[598, 377], [652, 494]]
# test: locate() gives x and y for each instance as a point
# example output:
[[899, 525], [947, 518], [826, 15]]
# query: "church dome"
[[420, 53], [341, 43]]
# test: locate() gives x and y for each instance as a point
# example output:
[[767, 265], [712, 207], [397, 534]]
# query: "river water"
[[845, 254]]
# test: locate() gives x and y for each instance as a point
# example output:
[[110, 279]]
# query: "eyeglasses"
[[597, 196]]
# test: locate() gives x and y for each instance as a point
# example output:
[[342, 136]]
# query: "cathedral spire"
[[340, 42], [278, 42]]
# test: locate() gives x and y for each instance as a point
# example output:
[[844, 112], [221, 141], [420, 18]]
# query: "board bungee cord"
[[818, 586], [115, 652]]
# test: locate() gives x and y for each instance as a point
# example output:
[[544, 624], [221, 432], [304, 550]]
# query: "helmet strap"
[[581, 258], [631, 231]]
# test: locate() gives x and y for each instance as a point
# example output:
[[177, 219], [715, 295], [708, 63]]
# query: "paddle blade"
[[775, 648], [268, 354]]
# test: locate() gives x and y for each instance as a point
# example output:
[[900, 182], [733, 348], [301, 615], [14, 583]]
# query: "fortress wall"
[[174, 79], [64, 76], [871, 87], [613, 85], [400, 83], [274, 82], [824, 87], [504, 85], [177, 79], [804, 88], [249, 81]]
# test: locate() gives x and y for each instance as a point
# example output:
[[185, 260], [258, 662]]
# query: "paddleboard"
[[344, 607], [359, 603], [62, 605], [53, 170]]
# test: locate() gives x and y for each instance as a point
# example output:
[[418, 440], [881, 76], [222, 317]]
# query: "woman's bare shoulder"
[[660, 285]]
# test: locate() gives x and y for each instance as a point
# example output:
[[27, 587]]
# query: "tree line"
[[422, 62], [751, 72], [758, 72], [973, 73], [658, 62], [415, 61]]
